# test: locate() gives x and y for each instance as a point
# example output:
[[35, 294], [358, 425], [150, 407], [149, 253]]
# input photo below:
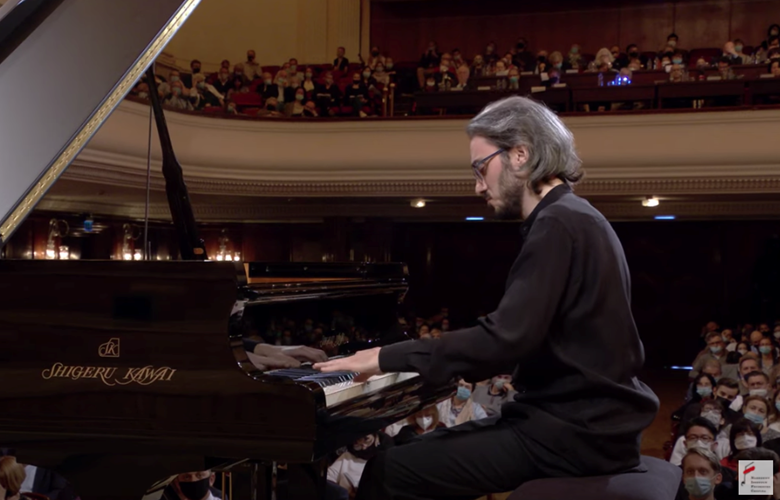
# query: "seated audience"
[[743, 435], [699, 433], [340, 63], [701, 474], [422, 422], [12, 475], [192, 486], [493, 395], [460, 407], [348, 467]]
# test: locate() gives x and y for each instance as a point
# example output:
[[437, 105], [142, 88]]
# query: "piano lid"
[[63, 69]]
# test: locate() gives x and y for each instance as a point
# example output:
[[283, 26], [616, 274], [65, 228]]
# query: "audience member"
[[460, 407], [701, 474], [493, 395], [422, 422], [340, 63], [192, 486]]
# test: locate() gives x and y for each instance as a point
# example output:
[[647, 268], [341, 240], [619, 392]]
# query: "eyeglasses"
[[480, 166], [703, 439]]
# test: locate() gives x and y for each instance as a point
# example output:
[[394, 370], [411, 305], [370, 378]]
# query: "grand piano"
[[116, 374]]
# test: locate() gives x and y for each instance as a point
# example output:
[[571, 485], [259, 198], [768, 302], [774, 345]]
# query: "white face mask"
[[745, 441], [742, 351], [697, 444], [424, 422]]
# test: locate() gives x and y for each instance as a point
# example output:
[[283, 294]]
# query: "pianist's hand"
[[366, 363]]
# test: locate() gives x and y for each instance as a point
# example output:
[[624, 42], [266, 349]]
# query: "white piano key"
[[344, 391]]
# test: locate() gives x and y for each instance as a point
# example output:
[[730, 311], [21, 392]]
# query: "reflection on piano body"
[[123, 372]]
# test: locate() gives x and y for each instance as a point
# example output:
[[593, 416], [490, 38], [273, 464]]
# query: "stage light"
[[650, 202], [475, 218], [665, 217], [420, 203]]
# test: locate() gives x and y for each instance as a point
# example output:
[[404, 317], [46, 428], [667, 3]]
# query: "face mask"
[[514, 79], [520, 46], [308, 75], [223, 76], [293, 67], [723, 401], [282, 81], [201, 85], [715, 348], [745, 441], [424, 422], [250, 58], [541, 58], [374, 53], [329, 81], [443, 68], [271, 107], [559, 65], [758, 392], [380, 69], [698, 444], [499, 384], [574, 50], [196, 489], [430, 84], [463, 393], [704, 391], [672, 43], [738, 48], [143, 95], [742, 351], [231, 109], [633, 53], [677, 60], [698, 487], [174, 78], [754, 417], [195, 70], [389, 65], [177, 90], [366, 74], [356, 82], [765, 349], [298, 97], [268, 81], [712, 416]]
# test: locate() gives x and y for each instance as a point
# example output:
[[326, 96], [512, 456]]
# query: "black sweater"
[[565, 324]]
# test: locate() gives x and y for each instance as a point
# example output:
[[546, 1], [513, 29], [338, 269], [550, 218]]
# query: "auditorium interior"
[[315, 153]]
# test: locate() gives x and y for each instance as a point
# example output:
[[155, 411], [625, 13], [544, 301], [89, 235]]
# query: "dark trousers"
[[459, 463]]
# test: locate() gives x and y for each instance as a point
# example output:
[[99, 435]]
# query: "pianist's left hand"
[[366, 363]]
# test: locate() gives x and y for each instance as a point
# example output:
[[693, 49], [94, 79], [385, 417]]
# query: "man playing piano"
[[564, 325]]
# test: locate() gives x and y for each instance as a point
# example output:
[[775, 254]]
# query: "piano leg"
[[305, 482]]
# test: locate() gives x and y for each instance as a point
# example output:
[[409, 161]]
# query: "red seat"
[[248, 99]]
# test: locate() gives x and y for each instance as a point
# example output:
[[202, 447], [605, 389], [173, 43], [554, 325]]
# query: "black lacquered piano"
[[118, 373]]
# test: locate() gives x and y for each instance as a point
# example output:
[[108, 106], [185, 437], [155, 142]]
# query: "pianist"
[[564, 324]]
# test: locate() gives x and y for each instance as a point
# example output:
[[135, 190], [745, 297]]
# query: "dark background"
[[684, 273]]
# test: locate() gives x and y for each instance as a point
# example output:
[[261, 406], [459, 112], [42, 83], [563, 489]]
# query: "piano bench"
[[660, 481]]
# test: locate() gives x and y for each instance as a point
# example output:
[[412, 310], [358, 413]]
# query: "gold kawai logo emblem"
[[110, 349], [110, 375]]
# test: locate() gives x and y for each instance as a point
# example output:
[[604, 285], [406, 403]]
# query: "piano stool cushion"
[[660, 482]]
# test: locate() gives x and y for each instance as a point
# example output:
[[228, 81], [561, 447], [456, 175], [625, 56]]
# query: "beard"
[[508, 204]]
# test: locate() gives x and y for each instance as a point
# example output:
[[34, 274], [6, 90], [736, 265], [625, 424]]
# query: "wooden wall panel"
[[702, 24], [403, 29]]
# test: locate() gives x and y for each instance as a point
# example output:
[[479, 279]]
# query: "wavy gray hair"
[[519, 121]]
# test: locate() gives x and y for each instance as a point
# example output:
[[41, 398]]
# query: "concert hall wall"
[[683, 273], [277, 30], [469, 25]]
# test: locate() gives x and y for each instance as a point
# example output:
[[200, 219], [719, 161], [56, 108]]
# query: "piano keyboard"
[[339, 386]]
